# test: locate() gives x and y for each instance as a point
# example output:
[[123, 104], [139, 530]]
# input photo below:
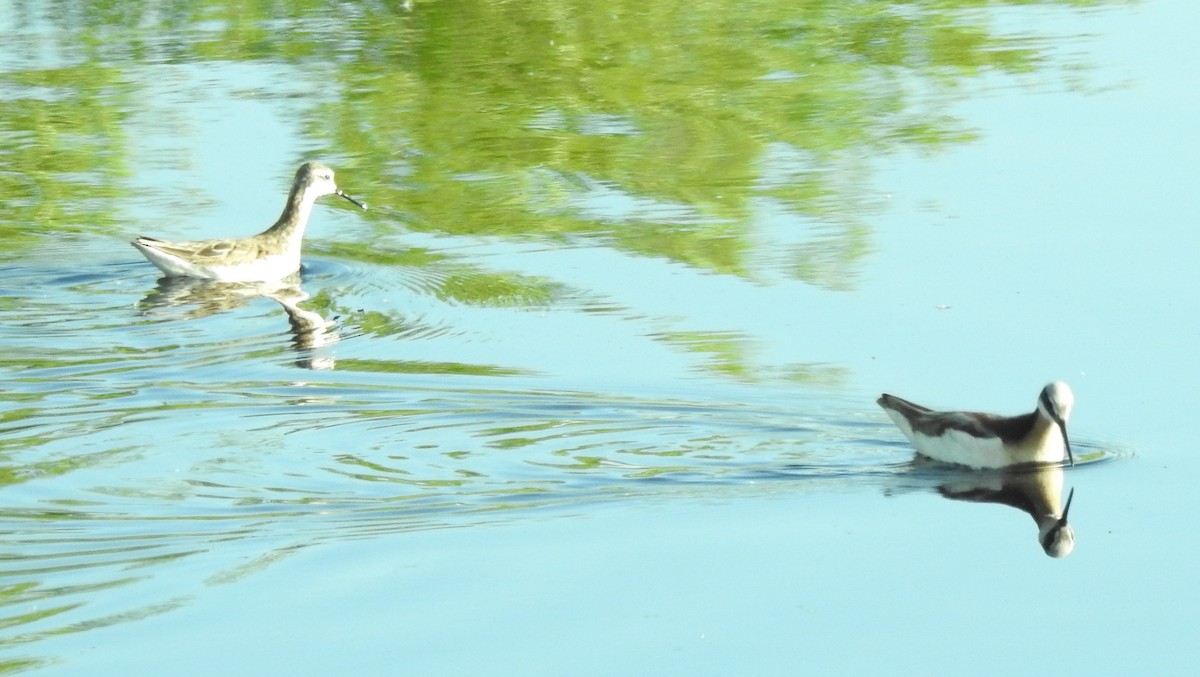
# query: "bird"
[[270, 255], [981, 440]]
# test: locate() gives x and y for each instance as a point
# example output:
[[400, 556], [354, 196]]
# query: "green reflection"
[[658, 128], [62, 151], [452, 280], [729, 355], [16, 665], [421, 367]]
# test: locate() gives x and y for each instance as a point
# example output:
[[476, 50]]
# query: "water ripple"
[[157, 439]]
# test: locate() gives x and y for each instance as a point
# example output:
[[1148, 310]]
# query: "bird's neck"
[[1045, 434], [294, 218]]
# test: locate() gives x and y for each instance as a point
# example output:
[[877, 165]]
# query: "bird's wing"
[[207, 252]]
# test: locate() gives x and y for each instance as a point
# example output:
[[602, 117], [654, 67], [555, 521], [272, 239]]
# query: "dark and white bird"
[[986, 440], [270, 255]]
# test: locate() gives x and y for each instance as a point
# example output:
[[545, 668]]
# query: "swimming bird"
[[272, 254], [987, 440]]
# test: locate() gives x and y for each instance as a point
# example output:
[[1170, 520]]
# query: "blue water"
[[637, 447]]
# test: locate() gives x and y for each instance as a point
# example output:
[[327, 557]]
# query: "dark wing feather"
[[935, 423]]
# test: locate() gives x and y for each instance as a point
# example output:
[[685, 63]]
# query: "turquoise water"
[[590, 388]]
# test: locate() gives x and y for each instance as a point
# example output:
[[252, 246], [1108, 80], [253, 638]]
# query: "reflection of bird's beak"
[[1062, 521]]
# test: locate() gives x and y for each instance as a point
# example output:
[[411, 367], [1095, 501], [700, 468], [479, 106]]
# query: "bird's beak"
[[341, 194], [1061, 426]]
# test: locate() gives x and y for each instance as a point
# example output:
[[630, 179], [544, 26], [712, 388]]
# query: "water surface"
[[590, 388]]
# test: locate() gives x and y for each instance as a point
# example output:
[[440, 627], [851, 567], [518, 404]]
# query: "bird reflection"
[[310, 331], [1036, 491]]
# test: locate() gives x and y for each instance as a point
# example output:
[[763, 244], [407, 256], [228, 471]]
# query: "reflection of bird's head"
[[1056, 536], [1059, 539]]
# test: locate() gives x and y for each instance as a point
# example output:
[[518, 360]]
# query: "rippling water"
[[163, 437], [593, 379], [195, 436]]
